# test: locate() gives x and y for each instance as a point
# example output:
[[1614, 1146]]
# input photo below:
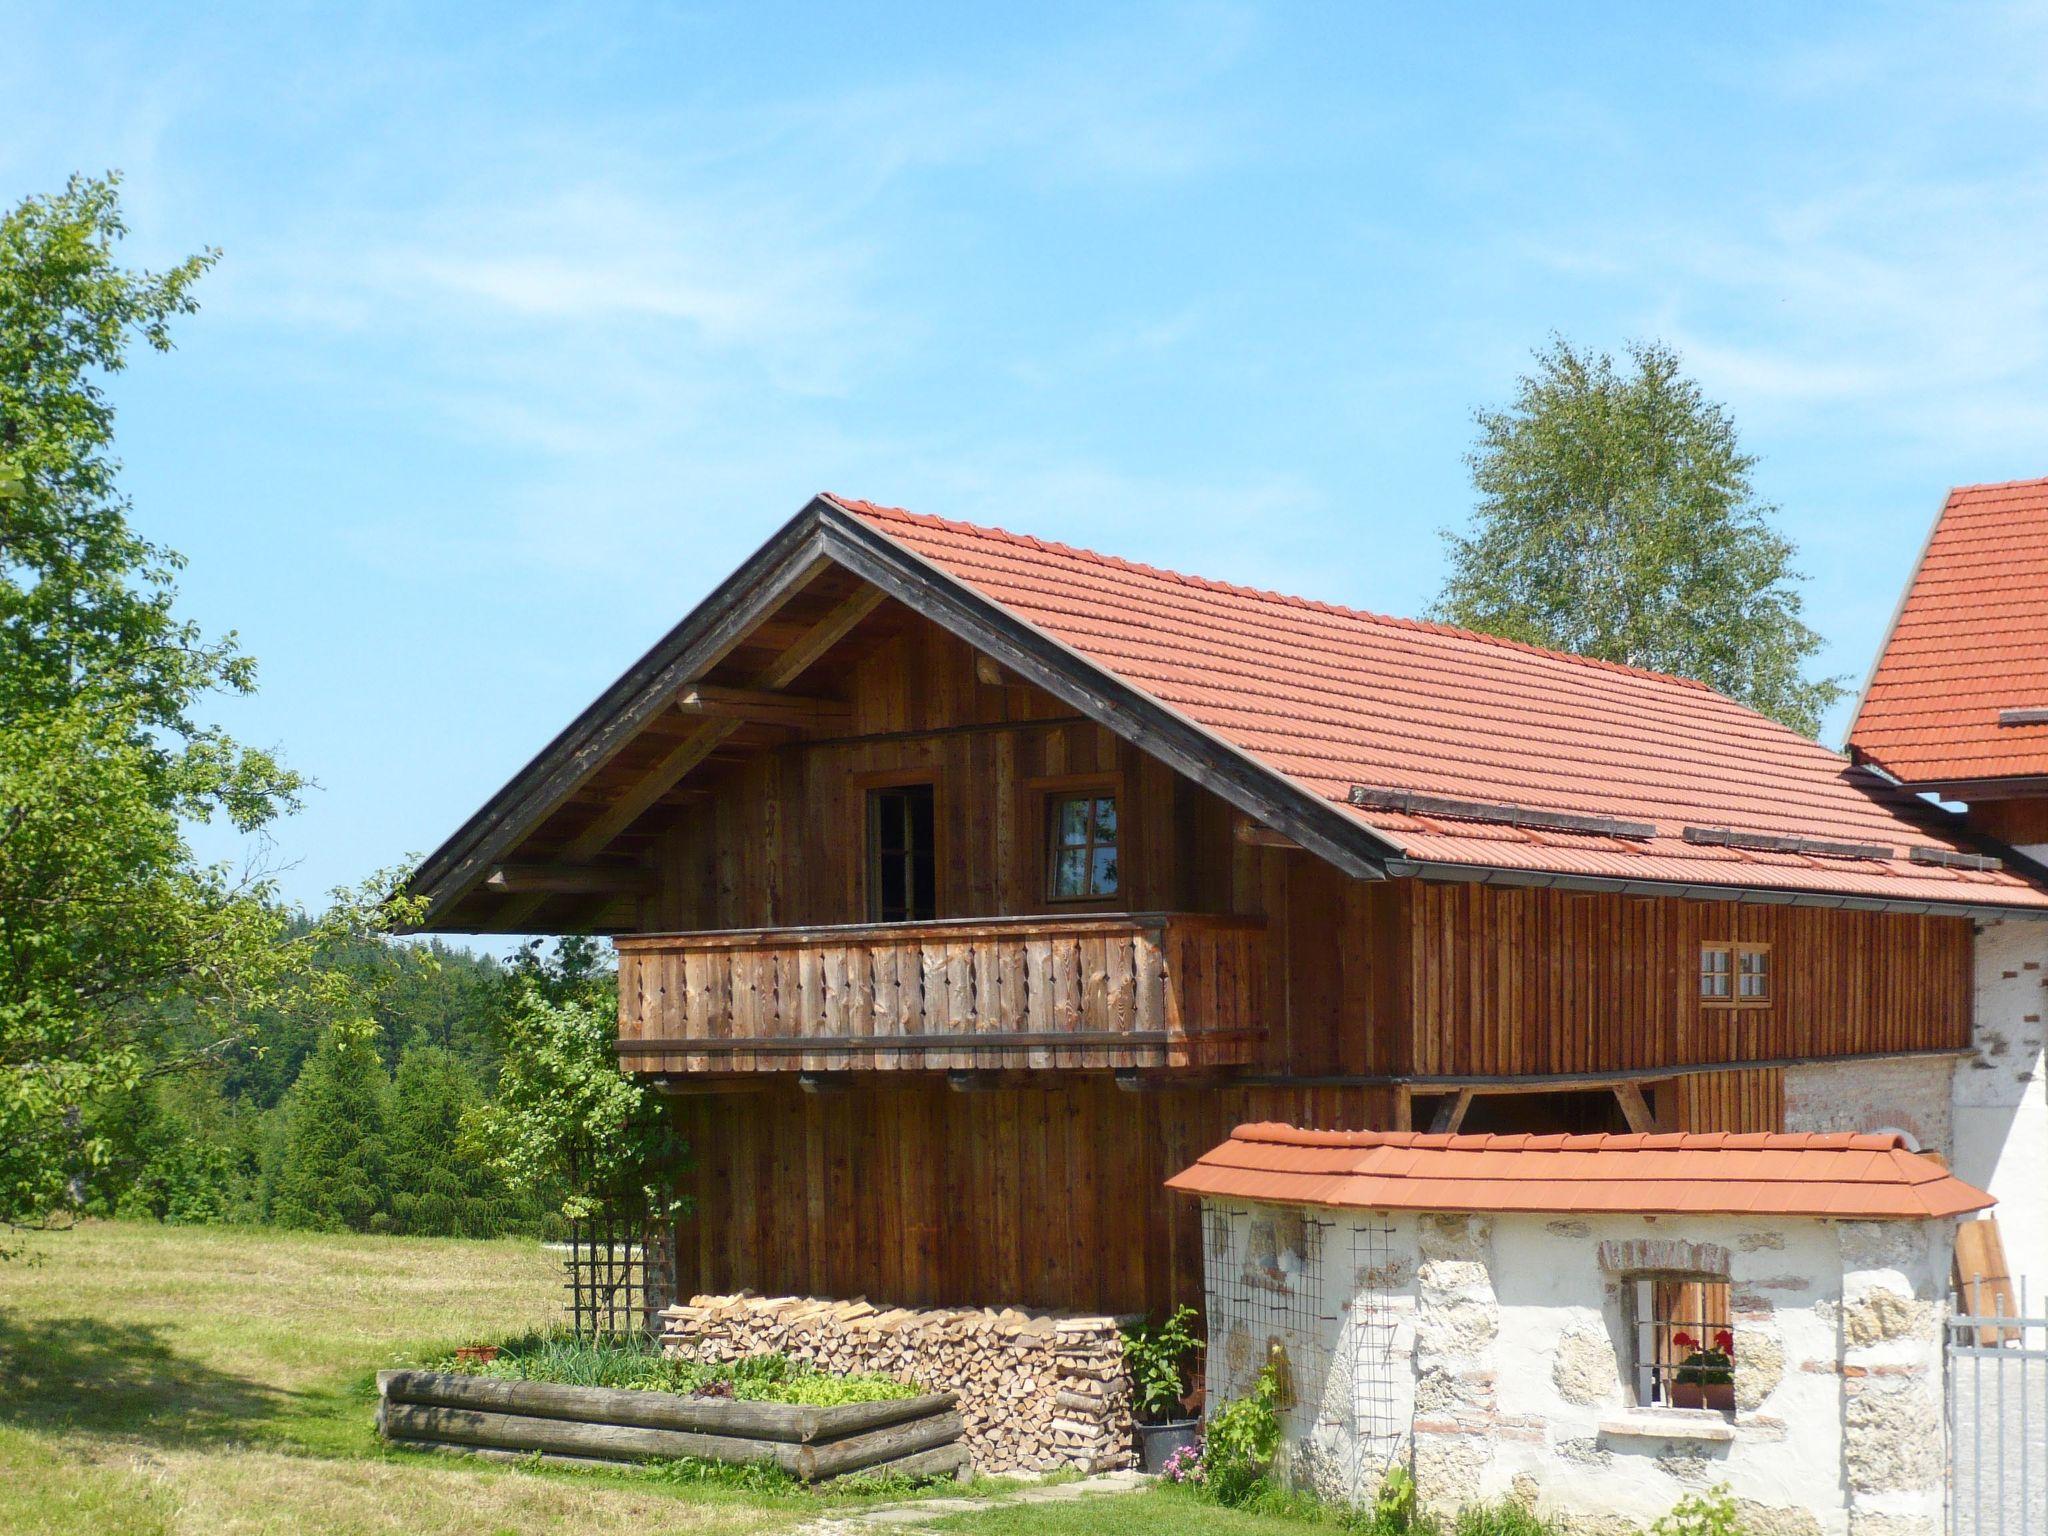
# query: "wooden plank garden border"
[[485, 1415]]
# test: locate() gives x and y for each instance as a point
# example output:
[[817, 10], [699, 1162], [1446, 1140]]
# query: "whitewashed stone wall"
[[1490, 1355], [2000, 1103]]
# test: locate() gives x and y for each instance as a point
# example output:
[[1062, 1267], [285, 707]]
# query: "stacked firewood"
[[1039, 1392]]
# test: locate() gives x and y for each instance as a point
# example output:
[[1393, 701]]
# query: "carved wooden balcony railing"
[[1153, 989]]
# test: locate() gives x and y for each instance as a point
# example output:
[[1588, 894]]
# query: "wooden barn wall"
[[915, 1195], [1752, 1100], [1507, 981], [781, 842]]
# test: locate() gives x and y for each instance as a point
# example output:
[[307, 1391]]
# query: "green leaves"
[[567, 1125], [1617, 519], [1157, 1356]]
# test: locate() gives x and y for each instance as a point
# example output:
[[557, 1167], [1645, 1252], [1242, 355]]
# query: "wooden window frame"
[[1041, 796], [860, 787], [1736, 951]]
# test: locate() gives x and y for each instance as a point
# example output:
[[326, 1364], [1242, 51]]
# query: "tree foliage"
[[1617, 517], [122, 957], [438, 1184], [330, 1173], [567, 1127]]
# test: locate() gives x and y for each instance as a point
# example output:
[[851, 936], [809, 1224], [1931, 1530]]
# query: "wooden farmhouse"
[[966, 886]]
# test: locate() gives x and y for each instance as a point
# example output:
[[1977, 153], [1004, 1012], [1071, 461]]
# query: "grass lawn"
[[157, 1381], [1155, 1511]]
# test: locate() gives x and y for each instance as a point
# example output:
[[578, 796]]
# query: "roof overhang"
[[825, 534]]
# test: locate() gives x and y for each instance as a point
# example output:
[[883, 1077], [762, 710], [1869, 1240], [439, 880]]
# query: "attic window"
[[2023, 717], [1735, 975], [1081, 859]]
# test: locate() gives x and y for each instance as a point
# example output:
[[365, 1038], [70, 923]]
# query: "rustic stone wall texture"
[[1039, 1392]]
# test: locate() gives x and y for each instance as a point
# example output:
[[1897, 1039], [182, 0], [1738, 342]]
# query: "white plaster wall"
[[1785, 1456], [1914, 1094], [1491, 1353], [2000, 1135]]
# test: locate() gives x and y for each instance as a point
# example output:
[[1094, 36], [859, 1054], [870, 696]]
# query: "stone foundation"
[[1039, 1392]]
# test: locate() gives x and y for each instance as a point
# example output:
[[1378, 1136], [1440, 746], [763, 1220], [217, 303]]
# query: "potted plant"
[[1157, 1357], [1706, 1377]]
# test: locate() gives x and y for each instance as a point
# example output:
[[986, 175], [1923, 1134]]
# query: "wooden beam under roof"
[[702, 742], [571, 879], [762, 706]]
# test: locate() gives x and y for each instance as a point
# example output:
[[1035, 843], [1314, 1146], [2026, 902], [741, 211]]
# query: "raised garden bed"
[[908, 1436]]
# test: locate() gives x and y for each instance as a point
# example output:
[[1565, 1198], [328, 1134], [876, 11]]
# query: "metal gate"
[[1997, 1416]]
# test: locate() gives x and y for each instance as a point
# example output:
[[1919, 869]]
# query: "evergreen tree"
[[1617, 518], [329, 1171], [439, 1186]]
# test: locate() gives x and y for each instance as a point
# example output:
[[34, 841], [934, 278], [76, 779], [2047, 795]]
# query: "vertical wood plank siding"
[[1508, 982], [914, 1195]]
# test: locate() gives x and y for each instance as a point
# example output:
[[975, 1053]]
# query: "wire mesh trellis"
[[1266, 1271], [621, 1275], [1377, 1432]]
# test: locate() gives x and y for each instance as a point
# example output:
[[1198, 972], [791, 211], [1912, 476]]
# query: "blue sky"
[[533, 321]]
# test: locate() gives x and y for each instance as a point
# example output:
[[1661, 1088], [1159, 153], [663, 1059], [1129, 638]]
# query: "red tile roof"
[[1970, 640], [1332, 697], [1831, 1174]]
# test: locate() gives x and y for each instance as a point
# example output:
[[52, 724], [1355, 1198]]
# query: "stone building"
[[1593, 1325]]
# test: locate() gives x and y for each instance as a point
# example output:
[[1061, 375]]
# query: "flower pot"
[[1156, 1442], [1721, 1396], [1688, 1394], [478, 1354]]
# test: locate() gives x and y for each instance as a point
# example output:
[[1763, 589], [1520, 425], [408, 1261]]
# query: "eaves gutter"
[[1774, 896]]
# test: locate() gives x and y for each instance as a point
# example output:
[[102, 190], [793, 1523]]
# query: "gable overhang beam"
[[783, 566]]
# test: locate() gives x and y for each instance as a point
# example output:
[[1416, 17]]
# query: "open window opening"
[[1684, 1343], [902, 856]]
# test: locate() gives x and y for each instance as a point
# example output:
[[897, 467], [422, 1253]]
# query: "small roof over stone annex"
[[1390, 747], [1838, 1174], [1960, 691]]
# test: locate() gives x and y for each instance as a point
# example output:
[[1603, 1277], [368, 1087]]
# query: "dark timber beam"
[[761, 706], [571, 879]]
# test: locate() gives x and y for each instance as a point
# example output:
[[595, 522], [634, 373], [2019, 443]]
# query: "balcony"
[[1120, 991]]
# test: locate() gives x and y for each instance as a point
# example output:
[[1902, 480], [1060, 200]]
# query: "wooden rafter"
[[571, 879], [761, 706], [702, 742]]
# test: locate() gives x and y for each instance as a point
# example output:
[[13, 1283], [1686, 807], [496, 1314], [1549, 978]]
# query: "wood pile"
[[1037, 1392]]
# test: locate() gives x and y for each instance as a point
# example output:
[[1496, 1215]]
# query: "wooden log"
[[795, 1422], [621, 1442], [570, 1437], [879, 1446], [940, 1461]]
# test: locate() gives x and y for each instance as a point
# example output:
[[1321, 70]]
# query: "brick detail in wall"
[[1039, 1392], [1645, 1255]]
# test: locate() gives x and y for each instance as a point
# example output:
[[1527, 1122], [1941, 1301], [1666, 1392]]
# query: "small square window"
[[1684, 1343], [1082, 858], [1735, 975], [1716, 973], [1752, 973]]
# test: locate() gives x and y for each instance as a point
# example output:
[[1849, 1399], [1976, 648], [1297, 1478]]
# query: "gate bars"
[[1997, 1418]]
